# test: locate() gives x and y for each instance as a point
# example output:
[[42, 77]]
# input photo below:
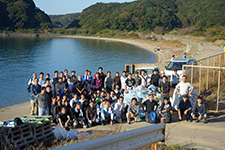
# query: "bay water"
[[21, 57]]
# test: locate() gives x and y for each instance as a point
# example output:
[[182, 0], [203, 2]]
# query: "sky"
[[56, 7]]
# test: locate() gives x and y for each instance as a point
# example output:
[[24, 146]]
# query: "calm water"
[[20, 57]]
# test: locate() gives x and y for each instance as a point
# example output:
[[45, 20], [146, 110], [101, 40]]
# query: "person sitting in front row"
[[63, 118], [165, 111], [78, 116], [107, 114], [184, 108], [91, 114], [199, 111], [119, 106], [133, 111]]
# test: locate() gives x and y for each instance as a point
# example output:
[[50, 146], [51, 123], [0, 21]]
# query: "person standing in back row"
[[54, 81], [174, 80], [108, 82], [31, 82], [155, 78], [129, 83], [101, 76], [184, 88], [144, 79], [123, 80]]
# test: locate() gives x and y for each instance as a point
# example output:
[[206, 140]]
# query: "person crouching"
[[165, 112], [107, 114], [133, 111], [78, 116], [63, 118], [199, 111]]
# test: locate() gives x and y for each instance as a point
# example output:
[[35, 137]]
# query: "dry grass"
[[219, 42]]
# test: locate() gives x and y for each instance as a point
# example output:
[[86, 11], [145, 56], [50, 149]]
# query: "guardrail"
[[129, 140]]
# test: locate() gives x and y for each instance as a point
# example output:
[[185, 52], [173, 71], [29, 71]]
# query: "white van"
[[148, 70], [177, 64]]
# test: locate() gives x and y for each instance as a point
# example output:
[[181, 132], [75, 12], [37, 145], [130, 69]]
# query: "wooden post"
[[200, 79], [218, 92], [214, 64], [154, 146], [220, 61], [192, 74], [207, 76], [223, 60]]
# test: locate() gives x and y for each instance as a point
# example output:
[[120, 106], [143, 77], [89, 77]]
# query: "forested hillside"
[[60, 21], [22, 14], [153, 15]]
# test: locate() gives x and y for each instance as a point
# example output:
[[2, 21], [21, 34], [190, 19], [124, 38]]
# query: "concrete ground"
[[186, 134]]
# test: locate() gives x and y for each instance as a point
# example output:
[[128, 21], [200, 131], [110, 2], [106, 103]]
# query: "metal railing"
[[129, 140]]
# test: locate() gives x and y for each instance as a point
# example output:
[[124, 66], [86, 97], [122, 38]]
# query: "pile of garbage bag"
[[141, 94], [62, 133]]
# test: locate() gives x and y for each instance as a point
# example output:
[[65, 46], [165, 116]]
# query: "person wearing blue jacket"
[[35, 90], [185, 108], [85, 76], [199, 111], [107, 114]]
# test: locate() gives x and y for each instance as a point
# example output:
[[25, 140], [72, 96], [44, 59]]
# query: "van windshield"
[[175, 65], [148, 72]]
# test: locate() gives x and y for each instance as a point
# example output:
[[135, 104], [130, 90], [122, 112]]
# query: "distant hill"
[[152, 15], [201, 13], [60, 21], [22, 14]]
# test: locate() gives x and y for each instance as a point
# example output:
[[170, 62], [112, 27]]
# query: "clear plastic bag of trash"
[[62, 133]]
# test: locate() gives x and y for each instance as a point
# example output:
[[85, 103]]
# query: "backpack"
[[18, 121], [29, 86], [153, 118]]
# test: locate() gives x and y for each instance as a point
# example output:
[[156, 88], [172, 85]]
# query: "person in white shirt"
[[173, 57], [123, 80], [184, 88], [41, 80], [82, 99], [74, 101], [47, 82], [119, 106], [174, 80], [144, 78], [31, 82]]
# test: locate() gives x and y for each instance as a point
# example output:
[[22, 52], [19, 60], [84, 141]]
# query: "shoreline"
[[132, 42], [161, 56]]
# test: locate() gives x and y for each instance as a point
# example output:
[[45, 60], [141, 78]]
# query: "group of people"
[[88, 100]]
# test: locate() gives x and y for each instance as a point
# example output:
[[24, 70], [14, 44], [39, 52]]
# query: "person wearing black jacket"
[[149, 106], [78, 116], [155, 78], [91, 114]]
